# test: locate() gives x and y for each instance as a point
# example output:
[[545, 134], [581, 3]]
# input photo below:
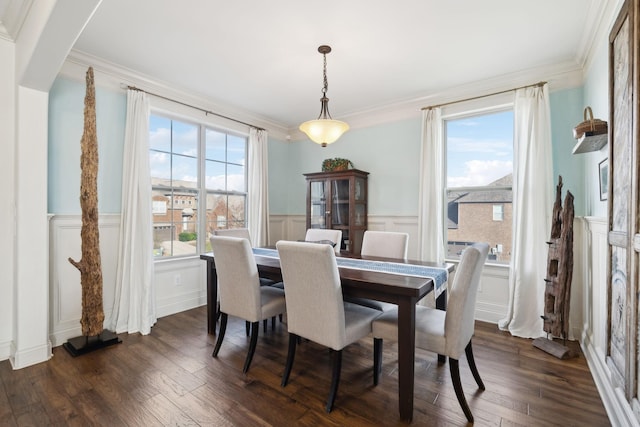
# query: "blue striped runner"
[[439, 275]]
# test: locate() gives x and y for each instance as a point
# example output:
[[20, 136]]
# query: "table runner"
[[438, 275]]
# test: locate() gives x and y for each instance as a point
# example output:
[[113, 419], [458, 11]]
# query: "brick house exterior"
[[482, 216]]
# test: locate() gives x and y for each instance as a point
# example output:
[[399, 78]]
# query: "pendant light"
[[324, 130]]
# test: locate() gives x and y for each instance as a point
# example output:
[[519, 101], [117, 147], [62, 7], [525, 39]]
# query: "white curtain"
[[533, 200], [431, 217], [134, 304], [258, 187]]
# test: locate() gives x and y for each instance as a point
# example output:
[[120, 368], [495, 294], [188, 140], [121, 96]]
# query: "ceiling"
[[261, 57]]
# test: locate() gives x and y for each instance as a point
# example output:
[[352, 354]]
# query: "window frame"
[[201, 192], [466, 109]]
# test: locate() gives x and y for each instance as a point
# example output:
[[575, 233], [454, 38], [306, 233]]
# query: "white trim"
[[613, 399], [116, 77], [560, 76], [30, 356]]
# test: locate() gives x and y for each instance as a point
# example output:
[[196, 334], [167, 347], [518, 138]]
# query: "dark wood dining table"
[[403, 290]]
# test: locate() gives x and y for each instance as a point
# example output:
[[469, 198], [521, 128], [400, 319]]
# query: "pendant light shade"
[[324, 130]]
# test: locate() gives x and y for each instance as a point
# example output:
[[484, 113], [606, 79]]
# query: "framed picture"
[[603, 173]]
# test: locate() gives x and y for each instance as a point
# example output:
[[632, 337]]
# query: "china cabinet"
[[338, 200]]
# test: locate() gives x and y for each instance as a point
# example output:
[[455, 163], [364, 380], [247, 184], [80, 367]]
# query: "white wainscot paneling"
[[179, 284], [595, 320], [493, 294], [65, 292]]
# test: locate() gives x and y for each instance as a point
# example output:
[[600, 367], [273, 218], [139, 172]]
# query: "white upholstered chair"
[[233, 232], [385, 244], [446, 332], [243, 233], [240, 292], [315, 309], [317, 234]]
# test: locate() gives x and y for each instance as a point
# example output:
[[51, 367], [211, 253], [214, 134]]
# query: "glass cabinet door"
[[318, 204], [340, 202]]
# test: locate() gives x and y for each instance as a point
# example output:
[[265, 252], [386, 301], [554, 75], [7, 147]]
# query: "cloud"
[[481, 172], [499, 147]]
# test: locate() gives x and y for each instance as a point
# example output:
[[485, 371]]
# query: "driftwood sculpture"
[[557, 296], [90, 264]]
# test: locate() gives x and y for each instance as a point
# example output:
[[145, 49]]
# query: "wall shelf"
[[589, 142]]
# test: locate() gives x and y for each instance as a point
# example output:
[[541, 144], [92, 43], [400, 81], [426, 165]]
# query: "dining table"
[[397, 281]]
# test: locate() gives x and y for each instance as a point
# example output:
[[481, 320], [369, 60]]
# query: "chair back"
[[238, 280], [386, 244], [461, 301], [315, 309], [316, 234], [233, 232]]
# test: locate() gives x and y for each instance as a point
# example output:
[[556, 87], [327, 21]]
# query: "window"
[[498, 212], [189, 163], [479, 150]]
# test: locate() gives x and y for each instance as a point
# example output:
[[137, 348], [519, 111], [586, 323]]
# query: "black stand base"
[[81, 345]]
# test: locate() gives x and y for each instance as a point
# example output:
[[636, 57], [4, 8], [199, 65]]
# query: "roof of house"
[[488, 196]]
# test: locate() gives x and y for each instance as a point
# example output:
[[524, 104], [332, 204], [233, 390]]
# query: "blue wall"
[[566, 112], [390, 152], [66, 122]]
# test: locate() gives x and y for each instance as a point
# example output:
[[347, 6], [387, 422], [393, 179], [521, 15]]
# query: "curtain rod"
[[483, 96], [206, 112]]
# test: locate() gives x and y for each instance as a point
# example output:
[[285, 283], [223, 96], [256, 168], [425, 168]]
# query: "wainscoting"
[[179, 283], [593, 339], [493, 294]]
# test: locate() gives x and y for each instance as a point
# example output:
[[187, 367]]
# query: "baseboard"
[[618, 409], [31, 356], [490, 313], [5, 350]]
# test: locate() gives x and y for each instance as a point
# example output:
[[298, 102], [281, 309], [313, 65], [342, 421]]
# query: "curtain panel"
[[431, 207], [532, 205], [258, 187], [134, 303]]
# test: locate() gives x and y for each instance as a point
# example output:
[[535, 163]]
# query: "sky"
[[221, 151], [479, 149]]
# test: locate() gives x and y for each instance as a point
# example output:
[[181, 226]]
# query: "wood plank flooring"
[[169, 378]]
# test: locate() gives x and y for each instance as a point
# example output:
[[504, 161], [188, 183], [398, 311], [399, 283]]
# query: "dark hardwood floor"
[[170, 378]]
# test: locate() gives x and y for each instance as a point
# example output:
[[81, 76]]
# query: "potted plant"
[[336, 164]]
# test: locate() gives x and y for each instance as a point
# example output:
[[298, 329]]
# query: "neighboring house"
[[484, 216]]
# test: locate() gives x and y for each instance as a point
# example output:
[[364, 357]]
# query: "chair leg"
[[223, 329], [293, 340], [377, 359], [472, 364], [335, 379], [273, 323], [280, 317], [247, 326], [264, 322], [457, 386], [255, 326]]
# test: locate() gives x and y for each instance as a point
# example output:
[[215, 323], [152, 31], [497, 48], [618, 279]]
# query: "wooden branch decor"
[[90, 265], [557, 296]]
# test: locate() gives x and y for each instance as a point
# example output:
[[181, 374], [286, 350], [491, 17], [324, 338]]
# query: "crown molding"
[[607, 14], [117, 78], [559, 76], [12, 16]]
